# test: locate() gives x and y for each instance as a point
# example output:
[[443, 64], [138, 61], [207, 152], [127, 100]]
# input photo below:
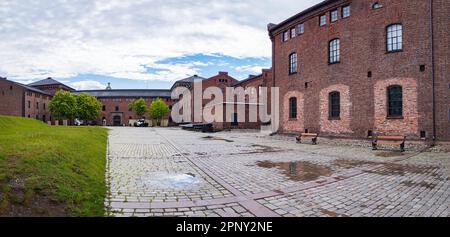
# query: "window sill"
[[334, 119], [394, 51], [293, 73], [395, 117], [332, 63], [292, 120]]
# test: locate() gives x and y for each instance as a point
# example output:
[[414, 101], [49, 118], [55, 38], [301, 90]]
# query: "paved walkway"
[[171, 172]]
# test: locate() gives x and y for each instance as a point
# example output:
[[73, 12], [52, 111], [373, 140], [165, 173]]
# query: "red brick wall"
[[339, 126], [11, 98], [363, 49], [39, 106]]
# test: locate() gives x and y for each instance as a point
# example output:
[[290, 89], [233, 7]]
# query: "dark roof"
[[48, 81], [272, 27], [251, 77], [126, 93], [191, 79], [29, 87]]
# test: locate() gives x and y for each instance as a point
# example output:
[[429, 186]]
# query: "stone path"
[[171, 172]]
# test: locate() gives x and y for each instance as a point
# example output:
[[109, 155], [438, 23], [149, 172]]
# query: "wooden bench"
[[313, 137], [389, 140]]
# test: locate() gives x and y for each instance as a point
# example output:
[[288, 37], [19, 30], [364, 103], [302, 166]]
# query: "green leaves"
[[139, 107], [88, 107], [66, 105], [63, 105], [159, 109]]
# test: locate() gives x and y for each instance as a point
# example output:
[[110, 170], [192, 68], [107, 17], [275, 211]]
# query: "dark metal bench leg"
[[314, 141], [374, 146], [299, 140], [402, 147]]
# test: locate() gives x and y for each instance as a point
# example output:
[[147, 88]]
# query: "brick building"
[[24, 101], [362, 67], [115, 104]]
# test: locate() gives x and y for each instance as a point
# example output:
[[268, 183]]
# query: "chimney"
[[109, 86]]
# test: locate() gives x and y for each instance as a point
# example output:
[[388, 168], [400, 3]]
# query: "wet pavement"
[[172, 172]]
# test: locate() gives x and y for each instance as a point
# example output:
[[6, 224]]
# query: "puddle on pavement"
[[163, 180], [422, 184], [387, 154], [217, 139], [258, 149], [388, 168], [300, 170]]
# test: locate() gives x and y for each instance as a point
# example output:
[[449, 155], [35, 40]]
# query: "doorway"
[[117, 120]]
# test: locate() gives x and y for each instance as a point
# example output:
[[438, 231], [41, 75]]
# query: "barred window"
[[395, 101], [293, 63], [334, 51], [335, 105], [293, 108], [394, 38]]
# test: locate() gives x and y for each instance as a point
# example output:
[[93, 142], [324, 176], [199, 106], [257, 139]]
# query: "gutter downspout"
[[433, 68]]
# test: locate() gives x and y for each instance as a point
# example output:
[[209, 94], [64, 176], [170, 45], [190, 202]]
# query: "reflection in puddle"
[[299, 171], [163, 180]]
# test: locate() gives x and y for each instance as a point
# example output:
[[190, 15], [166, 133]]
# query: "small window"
[[423, 134], [285, 36], [370, 133], [301, 28], [323, 20], [394, 38], [306, 131], [37, 105], [10, 87], [334, 15], [422, 68], [293, 33], [306, 85], [293, 63], [335, 105], [117, 108], [369, 74], [376, 6], [29, 104], [395, 101], [334, 51], [293, 108], [346, 11], [44, 106], [104, 108]]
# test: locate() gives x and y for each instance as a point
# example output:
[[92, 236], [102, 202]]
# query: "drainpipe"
[[433, 69]]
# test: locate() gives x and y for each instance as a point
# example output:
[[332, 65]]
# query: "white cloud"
[[62, 39], [88, 85], [252, 69]]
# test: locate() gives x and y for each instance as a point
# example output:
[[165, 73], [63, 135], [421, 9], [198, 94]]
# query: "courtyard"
[[172, 172]]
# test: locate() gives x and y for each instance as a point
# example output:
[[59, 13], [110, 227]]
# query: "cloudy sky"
[[136, 43]]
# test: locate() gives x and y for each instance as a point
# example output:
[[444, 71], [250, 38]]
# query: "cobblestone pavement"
[[172, 172]]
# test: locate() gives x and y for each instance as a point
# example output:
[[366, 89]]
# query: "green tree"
[[139, 107], [88, 107], [159, 110], [63, 105]]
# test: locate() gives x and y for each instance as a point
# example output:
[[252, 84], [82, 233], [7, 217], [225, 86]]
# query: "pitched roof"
[[29, 87], [48, 81], [126, 93]]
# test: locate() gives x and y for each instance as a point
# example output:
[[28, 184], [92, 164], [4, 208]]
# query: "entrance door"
[[117, 120], [235, 120]]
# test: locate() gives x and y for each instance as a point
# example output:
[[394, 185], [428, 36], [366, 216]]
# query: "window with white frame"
[[293, 63], [334, 15], [293, 33], [394, 38], [301, 28], [323, 20], [334, 51], [285, 36], [346, 11]]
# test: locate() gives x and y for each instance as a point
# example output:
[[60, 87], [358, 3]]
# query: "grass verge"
[[51, 171]]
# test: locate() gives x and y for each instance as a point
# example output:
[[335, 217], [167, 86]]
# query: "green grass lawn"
[[51, 171]]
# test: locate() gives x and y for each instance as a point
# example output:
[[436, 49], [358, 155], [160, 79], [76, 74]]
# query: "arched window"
[[293, 63], [335, 105], [334, 51], [293, 108], [377, 5], [395, 101], [394, 35]]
